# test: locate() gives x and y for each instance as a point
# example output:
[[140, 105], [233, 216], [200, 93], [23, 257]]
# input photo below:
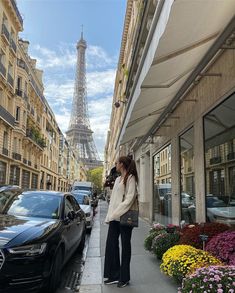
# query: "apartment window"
[[19, 83], [15, 145], [10, 69], [18, 114], [2, 63], [5, 140], [10, 75]]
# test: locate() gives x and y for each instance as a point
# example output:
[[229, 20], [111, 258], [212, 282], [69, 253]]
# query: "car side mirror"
[[71, 215]]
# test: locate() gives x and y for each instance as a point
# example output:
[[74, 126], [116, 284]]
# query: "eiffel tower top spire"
[[79, 134]]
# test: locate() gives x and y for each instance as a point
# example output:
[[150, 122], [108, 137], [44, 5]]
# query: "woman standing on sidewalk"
[[114, 271]]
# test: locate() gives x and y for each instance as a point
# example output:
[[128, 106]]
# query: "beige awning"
[[185, 31]]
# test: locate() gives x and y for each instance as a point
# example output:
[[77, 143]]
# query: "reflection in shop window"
[[219, 129], [162, 186], [187, 186]]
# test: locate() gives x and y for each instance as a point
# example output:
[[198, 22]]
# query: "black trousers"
[[113, 269]]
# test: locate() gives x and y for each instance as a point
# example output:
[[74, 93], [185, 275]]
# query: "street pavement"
[[145, 272]]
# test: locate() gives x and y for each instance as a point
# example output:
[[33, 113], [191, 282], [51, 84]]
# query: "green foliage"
[[95, 176], [149, 239], [163, 242]]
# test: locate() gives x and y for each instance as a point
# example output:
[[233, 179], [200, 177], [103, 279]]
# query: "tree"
[[95, 176]]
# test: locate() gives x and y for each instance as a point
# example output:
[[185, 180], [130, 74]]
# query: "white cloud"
[[100, 82], [65, 57]]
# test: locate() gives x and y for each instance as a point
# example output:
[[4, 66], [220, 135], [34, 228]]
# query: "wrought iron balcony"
[[215, 160], [5, 151], [10, 80], [19, 92], [22, 64], [231, 156], [13, 45], [38, 140], [5, 32], [16, 156], [2, 69], [5, 115]]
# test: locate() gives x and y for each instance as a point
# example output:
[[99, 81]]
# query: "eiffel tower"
[[79, 134]]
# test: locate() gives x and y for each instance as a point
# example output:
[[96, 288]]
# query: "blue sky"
[[53, 27]]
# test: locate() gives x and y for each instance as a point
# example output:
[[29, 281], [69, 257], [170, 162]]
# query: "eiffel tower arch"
[[79, 133]]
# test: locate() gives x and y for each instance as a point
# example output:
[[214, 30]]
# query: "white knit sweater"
[[117, 207]]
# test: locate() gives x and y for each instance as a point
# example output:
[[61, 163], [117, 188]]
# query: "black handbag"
[[131, 217]]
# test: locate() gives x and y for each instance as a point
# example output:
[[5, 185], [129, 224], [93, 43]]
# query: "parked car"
[[220, 211], [39, 231], [85, 203]]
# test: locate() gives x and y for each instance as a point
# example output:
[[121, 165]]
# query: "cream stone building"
[[31, 152], [177, 118]]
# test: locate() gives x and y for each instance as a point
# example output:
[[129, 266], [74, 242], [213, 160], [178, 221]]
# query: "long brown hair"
[[130, 168]]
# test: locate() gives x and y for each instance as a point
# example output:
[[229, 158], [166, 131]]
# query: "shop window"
[[25, 183], [34, 183], [187, 186], [14, 175], [219, 129], [162, 186], [3, 171]]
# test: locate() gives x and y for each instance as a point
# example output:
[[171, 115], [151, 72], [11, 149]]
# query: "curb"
[[92, 274]]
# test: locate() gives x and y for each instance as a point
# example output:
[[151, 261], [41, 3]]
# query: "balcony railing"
[[13, 45], [10, 80], [5, 115], [5, 32], [22, 65], [19, 92], [38, 140], [2, 69], [5, 151], [231, 156], [215, 160], [16, 156]]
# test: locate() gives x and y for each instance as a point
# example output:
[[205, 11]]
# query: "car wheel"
[[56, 271], [82, 242]]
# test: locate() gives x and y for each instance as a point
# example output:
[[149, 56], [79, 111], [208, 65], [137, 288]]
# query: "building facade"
[[30, 148], [177, 118]]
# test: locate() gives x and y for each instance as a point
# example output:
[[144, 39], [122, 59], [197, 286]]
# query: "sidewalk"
[[145, 272]]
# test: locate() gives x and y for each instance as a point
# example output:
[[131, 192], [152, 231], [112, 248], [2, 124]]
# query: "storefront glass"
[[187, 186], [3, 171], [14, 175], [219, 129], [162, 186]]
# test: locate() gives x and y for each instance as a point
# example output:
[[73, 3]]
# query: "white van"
[[82, 185]]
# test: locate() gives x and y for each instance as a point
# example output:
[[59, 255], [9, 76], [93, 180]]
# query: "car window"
[[74, 203], [5, 197], [68, 207], [33, 204]]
